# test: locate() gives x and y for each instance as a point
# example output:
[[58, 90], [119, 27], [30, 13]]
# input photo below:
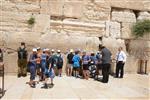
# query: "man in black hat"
[[22, 60], [106, 60]]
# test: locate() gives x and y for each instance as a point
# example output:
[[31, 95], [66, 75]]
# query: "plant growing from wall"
[[141, 28], [31, 21]]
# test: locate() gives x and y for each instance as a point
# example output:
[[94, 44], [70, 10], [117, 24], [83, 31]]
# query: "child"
[[76, 64], [32, 66], [49, 71]]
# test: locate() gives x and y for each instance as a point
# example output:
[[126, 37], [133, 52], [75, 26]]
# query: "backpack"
[[60, 61], [22, 53], [69, 57]]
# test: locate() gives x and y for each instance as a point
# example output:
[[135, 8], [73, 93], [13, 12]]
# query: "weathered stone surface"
[[79, 28], [113, 29], [56, 7], [65, 24], [143, 15], [93, 11], [130, 4], [123, 16], [45, 7], [126, 31], [113, 44], [73, 9], [42, 23]]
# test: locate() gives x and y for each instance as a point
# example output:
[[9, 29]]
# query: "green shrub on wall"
[[31, 21], [141, 27]]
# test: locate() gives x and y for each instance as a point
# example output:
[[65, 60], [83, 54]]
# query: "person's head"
[[120, 49], [52, 51], [58, 51], [71, 50], [77, 52], [44, 50], [92, 54], [34, 50], [101, 47], [38, 49], [47, 51], [84, 53], [22, 45]]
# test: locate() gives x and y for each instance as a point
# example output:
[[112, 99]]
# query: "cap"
[[58, 50], [52, 50], [71, 50], [34, 50]]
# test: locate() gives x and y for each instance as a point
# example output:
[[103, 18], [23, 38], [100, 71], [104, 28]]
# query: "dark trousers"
[[105, 72], [120, 69], [32, 72]]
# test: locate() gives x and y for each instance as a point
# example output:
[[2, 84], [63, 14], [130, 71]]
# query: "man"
[[32, 67], [22, 60], [69, 63], [120, 59], [59, 63], [106, 60]]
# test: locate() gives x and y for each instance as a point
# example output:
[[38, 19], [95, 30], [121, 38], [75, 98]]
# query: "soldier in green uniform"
[[22, 60]]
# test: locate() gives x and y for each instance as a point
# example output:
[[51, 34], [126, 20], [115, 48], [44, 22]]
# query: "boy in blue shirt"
[[76, 64]]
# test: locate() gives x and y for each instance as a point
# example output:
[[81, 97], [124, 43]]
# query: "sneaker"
[[19, 75], [45, 86], [24, 75], [52, 84], [33, 86]]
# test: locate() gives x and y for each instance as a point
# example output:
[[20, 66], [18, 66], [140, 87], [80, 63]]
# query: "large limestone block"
[[28, 8], [130, 4], [131, 65], [45, 7], [77, 27], [10, 61], [113, 29], [126, 31], [42, 23], [64, 42], [7, 6], [140, 50], [113, 44], [97, 12], [123, 16], [73, 9], [56, 7], [143, 15]]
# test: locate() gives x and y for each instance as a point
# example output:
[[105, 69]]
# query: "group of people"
[[46, 63], [41, 62]]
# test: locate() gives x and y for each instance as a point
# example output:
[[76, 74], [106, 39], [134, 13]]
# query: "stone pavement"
[[131, 87]]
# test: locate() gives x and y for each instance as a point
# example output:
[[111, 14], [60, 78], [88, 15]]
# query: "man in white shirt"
[[120, 60]]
